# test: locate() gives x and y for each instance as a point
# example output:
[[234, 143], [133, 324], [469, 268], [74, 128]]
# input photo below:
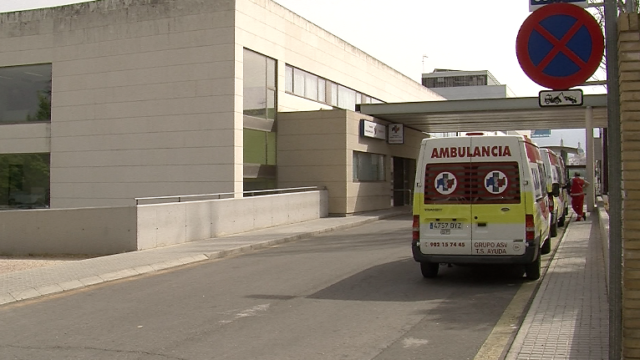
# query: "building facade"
[[458, 84], [107, 101]]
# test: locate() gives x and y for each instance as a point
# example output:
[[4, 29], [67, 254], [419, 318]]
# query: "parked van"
[[480, 200], [556, 181]]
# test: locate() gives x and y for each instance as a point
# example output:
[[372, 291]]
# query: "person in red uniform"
[[578, 185]]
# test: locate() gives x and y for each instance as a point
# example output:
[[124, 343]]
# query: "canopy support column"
[[590, 175]]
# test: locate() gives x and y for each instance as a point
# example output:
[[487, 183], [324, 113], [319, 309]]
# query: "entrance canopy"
[[489, 114]]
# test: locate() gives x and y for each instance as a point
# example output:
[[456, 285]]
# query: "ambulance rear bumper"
[[528, 257]]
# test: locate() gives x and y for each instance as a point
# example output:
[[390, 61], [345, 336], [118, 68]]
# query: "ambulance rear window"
[[472, 183]]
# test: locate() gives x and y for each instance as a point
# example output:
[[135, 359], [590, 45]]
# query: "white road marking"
[[413, 342], [254, 311]]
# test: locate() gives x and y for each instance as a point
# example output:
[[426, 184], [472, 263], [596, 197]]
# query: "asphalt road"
[[352, 294]]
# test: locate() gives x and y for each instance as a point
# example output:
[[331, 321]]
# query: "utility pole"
[[614, 149]]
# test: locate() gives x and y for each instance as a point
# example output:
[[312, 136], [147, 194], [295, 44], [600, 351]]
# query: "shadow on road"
[[401, 281]]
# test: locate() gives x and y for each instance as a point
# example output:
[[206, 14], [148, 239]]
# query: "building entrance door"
[[404, 173]]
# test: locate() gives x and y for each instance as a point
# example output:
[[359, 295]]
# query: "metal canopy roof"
[[489, 114]]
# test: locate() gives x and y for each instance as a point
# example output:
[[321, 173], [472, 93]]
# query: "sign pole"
[[614, 149], [589, 176]]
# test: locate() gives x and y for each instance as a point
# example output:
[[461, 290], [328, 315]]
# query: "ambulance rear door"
[[445, 208], [497, 204]]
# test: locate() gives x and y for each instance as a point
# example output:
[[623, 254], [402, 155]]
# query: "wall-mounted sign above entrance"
[[548, 98], [536, 4], [372, 130], [396, 134], [560, 46]]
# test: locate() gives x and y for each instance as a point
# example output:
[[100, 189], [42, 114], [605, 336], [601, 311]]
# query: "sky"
[[416, 36]]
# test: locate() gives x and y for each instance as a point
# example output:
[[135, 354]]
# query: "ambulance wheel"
[[561, 220], [553, 231], [532, 270], [546, 247], [429, 269]]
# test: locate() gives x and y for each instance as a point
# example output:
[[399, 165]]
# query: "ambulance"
[[558, 195], [480, 200]]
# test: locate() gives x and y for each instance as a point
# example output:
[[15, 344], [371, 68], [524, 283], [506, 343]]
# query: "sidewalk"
[[33, 283], [569, 316]]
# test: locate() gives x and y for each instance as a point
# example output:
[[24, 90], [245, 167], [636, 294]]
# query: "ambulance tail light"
[[530, 228], [416, 229], [551, 203]]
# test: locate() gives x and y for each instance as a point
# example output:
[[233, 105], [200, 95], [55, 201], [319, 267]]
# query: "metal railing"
[[407, 195], [218, 196]]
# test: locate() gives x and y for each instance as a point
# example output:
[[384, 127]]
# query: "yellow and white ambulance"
[[558, 195], [480, 200]]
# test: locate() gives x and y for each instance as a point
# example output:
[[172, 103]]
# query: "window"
[[322, 89], [298, 82], [259, 85], [24, 181], [472, 183], [368, 167], [259, 147], [334, 95], [537, 186], [288, 70], [346, 98], [258, 184], [25, 93]]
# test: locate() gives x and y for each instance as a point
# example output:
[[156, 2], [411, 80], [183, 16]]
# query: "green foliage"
[[22, 175], [44, 109]]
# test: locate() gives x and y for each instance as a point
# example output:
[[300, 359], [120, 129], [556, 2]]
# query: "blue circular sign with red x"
[[560, 46]]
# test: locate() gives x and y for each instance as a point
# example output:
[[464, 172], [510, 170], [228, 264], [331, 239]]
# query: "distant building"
[[467, 85], [459, 85]]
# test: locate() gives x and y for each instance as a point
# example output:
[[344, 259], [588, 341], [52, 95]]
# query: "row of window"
[[454, 81], [314, 87]]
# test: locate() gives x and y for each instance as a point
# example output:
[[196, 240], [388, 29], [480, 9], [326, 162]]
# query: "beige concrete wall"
[[112, 230], [629, 62], [88, 231], [25, 138], [144, 97], [312, 151], [168, 224], [316, 148]]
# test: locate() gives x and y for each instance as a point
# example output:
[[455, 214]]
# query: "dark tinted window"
[[25, 93], [472, 183]]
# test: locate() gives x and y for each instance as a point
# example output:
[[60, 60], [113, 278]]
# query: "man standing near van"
[[578, 185]]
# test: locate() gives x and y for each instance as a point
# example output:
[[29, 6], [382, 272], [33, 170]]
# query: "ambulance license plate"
[[445, 225]]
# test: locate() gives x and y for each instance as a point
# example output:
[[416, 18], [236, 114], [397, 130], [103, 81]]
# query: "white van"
[[480, 200], [556, 181]]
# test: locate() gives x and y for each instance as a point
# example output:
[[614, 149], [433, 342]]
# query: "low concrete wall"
[[176, 223], [112, 230], [87, 231]]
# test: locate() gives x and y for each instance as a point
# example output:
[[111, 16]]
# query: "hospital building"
[[107, 101]]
